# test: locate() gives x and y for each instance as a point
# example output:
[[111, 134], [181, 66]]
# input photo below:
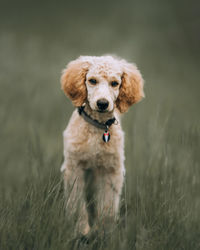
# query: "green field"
[[160, 205]]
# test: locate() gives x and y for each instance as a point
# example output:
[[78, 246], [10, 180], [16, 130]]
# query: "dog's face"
[[104, 82]]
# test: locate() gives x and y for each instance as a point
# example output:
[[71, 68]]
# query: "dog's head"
[[104, 82]]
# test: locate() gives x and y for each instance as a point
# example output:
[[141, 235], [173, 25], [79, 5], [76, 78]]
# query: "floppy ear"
[[131, 89], [73, 81]]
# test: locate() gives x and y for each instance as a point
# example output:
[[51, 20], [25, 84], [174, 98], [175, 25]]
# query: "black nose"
[[102, 104]]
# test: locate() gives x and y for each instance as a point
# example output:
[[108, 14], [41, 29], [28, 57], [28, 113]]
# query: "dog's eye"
[[114, 84], [93, 81]]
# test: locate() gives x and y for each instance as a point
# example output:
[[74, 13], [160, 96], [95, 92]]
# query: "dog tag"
[[106, 136]]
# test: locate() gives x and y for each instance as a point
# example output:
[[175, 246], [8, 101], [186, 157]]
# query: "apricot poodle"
[[101, 88]]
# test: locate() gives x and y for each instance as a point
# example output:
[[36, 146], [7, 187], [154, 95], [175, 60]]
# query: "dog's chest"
[[87, 148], [98, 153]]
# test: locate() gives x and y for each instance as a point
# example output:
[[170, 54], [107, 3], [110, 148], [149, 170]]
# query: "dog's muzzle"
[[102, 105]]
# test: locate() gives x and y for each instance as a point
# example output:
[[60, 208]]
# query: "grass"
[[160, 204]]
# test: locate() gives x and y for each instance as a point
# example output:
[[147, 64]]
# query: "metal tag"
[[106, 136]]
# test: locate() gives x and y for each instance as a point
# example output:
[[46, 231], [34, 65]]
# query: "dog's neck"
[[95, 115]]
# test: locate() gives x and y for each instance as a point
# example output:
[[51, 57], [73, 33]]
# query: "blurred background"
[[37, 40]]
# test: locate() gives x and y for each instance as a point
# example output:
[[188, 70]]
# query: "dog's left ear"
[[131, 89]]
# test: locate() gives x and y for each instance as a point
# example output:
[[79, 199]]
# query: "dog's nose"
[[102, 104]]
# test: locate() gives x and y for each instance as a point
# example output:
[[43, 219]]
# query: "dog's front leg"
[[108, 197], [74, 181]]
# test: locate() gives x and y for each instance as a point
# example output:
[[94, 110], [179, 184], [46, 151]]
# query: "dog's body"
[[94, 169]]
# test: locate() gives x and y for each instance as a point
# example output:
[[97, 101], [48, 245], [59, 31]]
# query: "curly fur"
[[131, 90], [94, 170], [73, 82]]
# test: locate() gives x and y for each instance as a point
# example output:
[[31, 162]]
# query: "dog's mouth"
[[101, 111]]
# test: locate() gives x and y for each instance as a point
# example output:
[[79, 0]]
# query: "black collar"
[[95, 123]]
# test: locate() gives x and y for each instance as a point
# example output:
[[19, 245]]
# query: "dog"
[[101, 88]]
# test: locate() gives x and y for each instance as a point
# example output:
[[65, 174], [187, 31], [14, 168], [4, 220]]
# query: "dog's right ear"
[[73, 81]]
